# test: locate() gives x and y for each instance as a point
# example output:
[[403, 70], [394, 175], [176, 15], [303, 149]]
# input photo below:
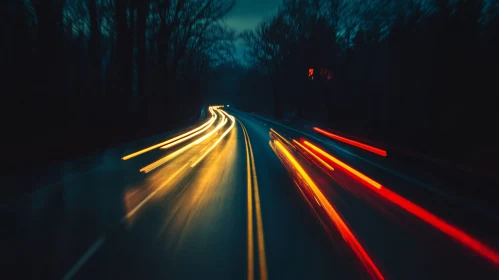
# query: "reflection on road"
[[217, 201], [298, 171], [162, 182], [414, 209]]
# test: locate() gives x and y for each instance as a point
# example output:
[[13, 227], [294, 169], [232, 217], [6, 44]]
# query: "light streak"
[[170, 140], [363, 177], [165, 159], [450, 230], [280, 136], [345, 232], [216, 143], [442, 225], [352, 142], [134, 210], [211, 132], [212, 120], [314, 155]]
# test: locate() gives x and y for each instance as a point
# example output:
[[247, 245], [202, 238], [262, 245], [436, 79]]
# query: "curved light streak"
[[217, 142], [363, 177], [314, 155], [167, 158], [450, 230], [170, 140], [208, 125], [344, 230]]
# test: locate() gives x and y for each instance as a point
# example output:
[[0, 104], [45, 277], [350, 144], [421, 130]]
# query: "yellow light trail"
[[211, 132], [170, 140], [314, 155], [165, 159], [347, 234], [280, 136], [348, 168], [134, 210], [222, 115], [208, 125], [217, 142], [452, 231]]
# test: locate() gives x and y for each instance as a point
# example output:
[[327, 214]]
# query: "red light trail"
[[455, 233], [335, 217], [352, 142]]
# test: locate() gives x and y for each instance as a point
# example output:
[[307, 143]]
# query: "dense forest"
[[83, 75], [415, 75]]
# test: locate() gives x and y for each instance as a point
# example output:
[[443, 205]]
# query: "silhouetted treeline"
[[81, 75], [421, 75]]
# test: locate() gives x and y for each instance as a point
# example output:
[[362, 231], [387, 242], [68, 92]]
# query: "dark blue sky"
[[246, 14]]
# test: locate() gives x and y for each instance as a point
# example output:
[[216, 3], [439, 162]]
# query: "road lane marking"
[[81, 262], [261, 242], [100, 241], [249, 194], [253, 181]]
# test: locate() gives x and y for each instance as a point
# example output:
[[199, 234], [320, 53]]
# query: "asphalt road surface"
[[233, 198]]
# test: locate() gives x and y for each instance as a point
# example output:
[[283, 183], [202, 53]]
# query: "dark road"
[[234, 197]]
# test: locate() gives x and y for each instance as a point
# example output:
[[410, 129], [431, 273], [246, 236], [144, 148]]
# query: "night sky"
[[246, 14]]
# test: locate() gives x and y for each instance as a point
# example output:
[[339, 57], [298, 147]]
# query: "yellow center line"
[[251, 265], [259, 223], [253, 178]]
